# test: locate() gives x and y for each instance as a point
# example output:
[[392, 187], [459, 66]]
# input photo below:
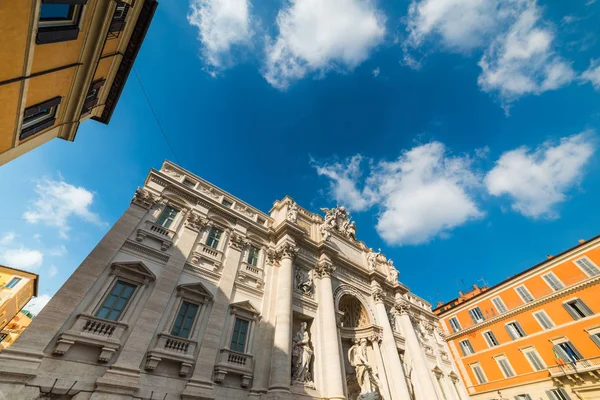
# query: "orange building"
[[14, 328], [63, 62], [534, 336]]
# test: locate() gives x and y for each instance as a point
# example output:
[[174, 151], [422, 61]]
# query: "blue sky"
[[461, 134]]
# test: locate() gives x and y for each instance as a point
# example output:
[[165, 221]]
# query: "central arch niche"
[[354, 313]]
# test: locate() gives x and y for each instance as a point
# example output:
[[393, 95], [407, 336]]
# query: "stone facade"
[[194, 294]]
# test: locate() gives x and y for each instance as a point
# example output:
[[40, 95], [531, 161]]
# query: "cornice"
[[146, 250], [525, 307]]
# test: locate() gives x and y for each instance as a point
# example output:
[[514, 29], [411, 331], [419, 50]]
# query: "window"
[[524, 293], [479, 375], [558, 394], [523, 397], [534, 359], [577, 309], [466, 347], [261, 221], [587, 266], [118, 20], [227, 203], [116, 301], [3, 336], [567, 352], [214, 237], [515, 331], [505, 367], [13, 282], [596, 338], [499, 304], [552, 281], [185, 319], [543, 319], [39, 117], [490, 338], [188, 183], [240, 331], [455, 324], [59, 20], [167, 217], [476, 315], [91, 99], [253, 256]]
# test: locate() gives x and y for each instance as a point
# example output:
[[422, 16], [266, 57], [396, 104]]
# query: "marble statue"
[[366, 377], [350, 230], [372, 259], [301, 355], [304, 282], [392, 272], [292, 214], [338, 219]]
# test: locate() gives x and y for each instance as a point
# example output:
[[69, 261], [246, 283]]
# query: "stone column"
[[281, 359], [425, 387], [393, 365], [333, 387]]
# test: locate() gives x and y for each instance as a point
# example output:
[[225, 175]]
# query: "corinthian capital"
[[237, 241], [324, 269], [195, 222], [402, 306], [288, 250], [144, 198], [273, 257], [378, 294]]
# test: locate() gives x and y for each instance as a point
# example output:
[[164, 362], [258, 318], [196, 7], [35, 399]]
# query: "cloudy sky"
[[461, 134]]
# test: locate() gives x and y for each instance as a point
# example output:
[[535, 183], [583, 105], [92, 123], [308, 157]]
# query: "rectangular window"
[[505, 367], [39, 117], [214, 237], [595, 338], [524, 293], [167, 217], [117, 23], [523, 397], [534, 359], [91, 98], [499, 304], [455, 324], [188, 183], [466, 347], [3, 336], [552, 281], [567, 352], [253, 256], [240, 331], [13, 282], [558, 394], [479, 375], [116, 301], [577, 309], [587, 266], [476, 315], [515, 331], [59, 21], [544, 320], [490, 338], [226, 203], [185, 320]]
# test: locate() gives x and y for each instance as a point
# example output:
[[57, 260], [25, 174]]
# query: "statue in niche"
[[304, 282], [372, 259], [301, 356], [392, 272], [292, 213], [365, 375]]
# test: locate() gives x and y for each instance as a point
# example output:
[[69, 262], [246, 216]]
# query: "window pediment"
[[195, 292], [135, 271], [245, 309]]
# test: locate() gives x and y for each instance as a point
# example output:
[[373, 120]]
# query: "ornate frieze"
[[324, 269], [196, 222], [402, 306], [237, 241], [378, 295], [144, 198]]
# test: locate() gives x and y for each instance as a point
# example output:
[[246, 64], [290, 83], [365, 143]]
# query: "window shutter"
[[472, 314], [561, 353], [45, 36], [572, 313], [574, 350], [510, 332], [42, 106], [82, 2], [98, 84], [596, 338], [116, 26], [519, 328], [584, 307], [36, 129], [564, 393], [551, 395]]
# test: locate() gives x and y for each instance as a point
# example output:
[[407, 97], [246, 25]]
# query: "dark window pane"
[[56, 12], [116, 301]]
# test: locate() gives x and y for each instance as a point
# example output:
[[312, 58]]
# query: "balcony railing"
[[237, 363], [173, 348], [207, 252], [580, 366], [159, 230]]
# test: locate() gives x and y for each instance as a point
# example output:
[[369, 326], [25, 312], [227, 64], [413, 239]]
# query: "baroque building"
[[534, 336], [17, 287], [195, 294]]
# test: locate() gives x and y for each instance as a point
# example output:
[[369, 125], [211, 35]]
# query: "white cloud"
[[422, 195], [57, 202], [7, 238], [592, 74], [23, 258], [58, 251], [36, 304], [318, 36], [222, 24], [376, 72], [52, 271], [538, 180], [523, 61]]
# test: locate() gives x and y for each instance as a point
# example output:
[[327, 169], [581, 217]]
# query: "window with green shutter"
[[184, 320], [240, 331], [114, 304]]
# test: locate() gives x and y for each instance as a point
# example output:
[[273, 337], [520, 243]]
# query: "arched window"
[[355, 315]]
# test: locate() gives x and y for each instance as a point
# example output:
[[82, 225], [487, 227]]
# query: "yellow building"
[[62, 62], [14, 328], [534, 336], [16, 289]]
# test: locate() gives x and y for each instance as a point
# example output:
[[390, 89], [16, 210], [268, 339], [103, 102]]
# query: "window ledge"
[[230, 361], [206, 252], [158, 233], [172, 348]]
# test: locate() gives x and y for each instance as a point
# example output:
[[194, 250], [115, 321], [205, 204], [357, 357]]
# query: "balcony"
[[575, 368], [95, 332], [230, 361], [160, 230], [172, 348], [157, 232], [206, 252]]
